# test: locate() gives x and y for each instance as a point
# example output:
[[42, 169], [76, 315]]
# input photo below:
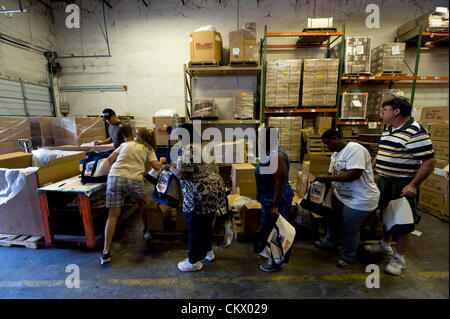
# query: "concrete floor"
[[148, 270]]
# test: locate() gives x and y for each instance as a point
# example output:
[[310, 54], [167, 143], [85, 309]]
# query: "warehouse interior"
[[63, 63]]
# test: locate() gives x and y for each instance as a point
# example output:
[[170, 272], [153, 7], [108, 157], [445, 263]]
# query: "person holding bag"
[[129, 162], [355, 194], [203, 195], [274, 193]]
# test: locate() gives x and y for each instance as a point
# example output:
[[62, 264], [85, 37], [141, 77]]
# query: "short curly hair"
[[400, 103]]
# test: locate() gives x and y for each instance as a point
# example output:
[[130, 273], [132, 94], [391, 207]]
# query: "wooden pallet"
[[319, 30], [206, 64], [358, 74], [32, 242], [314, 144], [390, 73], [243, 63]]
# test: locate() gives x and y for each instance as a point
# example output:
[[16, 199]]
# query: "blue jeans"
[[349, 221]]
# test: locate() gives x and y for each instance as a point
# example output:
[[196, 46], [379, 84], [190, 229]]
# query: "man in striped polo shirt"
[[405, 159]]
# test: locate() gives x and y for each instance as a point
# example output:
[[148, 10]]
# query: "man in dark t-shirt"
[[115, 129]]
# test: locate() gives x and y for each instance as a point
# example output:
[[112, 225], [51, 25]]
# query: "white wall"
[[150, 45], [34, 27]]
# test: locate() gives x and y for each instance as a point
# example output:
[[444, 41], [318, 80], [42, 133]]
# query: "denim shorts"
[[117, 187]]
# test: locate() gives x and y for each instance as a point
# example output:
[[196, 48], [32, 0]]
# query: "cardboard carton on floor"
[[435, 114], [21, 215], [158, 216], [435, 183], [441, 150], [160, 125], [251, 217]]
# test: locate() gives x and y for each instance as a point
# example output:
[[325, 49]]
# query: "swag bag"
[[318, 199], [398, 212], [280, 239], [166, 188], [95, 167]]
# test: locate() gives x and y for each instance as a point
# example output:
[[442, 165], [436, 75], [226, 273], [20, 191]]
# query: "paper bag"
[[398, 212]]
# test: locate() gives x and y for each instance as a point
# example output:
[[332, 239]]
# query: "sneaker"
[[341, 263], [378, 249], [147, 236], [210, 256], [271, 267], [105, 258], [322, 246], [395, 266], [185, 265]]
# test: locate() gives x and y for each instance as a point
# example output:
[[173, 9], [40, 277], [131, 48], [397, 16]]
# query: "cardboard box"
[[160, 125], [11, 130], [438, 131], [206, 46], [319, 164], [435, 21], [250, 216], [243, 46], [79, 130], [204, 107], [441, 150], [435, 114], [21, 215], [441, 163], [243, 178], [230, 152], [158, 217], [357, 54], [323, 122], [346, 131], [308, 123], [244, 105], [431, 200], [435, 183]]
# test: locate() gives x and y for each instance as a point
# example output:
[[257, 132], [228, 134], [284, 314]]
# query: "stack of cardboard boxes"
[[436, 21], [243, 45], [243, 105], [436, 121], [283, 83], [320, 78], [322, 124], [354, 105], [434, 191], [243, 180], [289, 135], [357, 55], [388, 57], [11, 130], [78, 130]]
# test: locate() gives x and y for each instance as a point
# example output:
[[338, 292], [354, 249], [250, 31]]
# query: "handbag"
[[95, 167], [318, 199]]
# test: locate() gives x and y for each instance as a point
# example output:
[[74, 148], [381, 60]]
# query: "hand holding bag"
[[318, 199]]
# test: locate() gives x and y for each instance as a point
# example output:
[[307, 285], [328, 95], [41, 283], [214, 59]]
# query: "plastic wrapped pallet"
[[204, 108], [11, 130], [78, 130], [243, 105], [354, 105], [41, 131], [283, 82], [388, 57], [375, 100], [356, 55]]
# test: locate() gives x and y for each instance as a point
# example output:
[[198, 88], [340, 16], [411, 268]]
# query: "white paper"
[[373, 125], [356, 103], [417, 233], [359, 49], [398, 212], [395, 50], [236, 51]]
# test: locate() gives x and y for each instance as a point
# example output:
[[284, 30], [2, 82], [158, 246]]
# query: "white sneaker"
[[210, 256], [185, 265], [395, 266], [380, 248], [147, 236]]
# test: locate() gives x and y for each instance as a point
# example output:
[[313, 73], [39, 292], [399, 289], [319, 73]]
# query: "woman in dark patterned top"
[[203, 194]]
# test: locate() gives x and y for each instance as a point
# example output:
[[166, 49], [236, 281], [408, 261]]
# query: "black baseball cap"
[[107, 113]]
